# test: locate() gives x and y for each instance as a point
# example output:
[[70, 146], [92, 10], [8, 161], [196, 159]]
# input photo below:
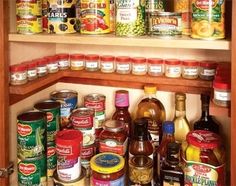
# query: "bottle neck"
[[180, 110], [205, 111], [122, 108]]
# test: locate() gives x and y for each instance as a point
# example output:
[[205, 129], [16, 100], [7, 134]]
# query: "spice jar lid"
[[172, 62], [155, 61], [113, 125], [91, 57], [123, 59], [141, 162], [192, 63], [62, 56], [77, 56], [42, 61], [209, 64], [107, 58], [222, 84], [18, 67], [107, 163], [138, 60], [51, 59]]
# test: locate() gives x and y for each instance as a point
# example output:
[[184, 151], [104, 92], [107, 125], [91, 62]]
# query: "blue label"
[[107, 160]]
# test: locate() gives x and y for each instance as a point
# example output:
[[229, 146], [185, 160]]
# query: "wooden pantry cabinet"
[[16, 48]]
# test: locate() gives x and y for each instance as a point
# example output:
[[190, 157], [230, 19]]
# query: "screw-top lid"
[[113, 125], [141, 129], [122, 98], [150, 89], [168, 127]]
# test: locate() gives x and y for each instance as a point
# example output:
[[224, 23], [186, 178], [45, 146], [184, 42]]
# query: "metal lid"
[[113, 125], [47, 105]]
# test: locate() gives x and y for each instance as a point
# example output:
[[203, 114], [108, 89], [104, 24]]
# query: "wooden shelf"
[[112, 40]]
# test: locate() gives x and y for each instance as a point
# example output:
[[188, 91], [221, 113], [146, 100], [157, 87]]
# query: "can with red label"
[[87, 153], [51, 158], [68, 148]]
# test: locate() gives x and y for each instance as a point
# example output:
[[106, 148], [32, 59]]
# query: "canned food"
[[82, 118], [68, 100], [31, 134], [51, 158], [45, 14], [86, 154], [29, 7], [28, 24]]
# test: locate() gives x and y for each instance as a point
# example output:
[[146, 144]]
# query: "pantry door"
[[4, 92]]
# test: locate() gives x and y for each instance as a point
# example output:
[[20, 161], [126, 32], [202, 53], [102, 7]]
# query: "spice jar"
[[18, 74], [207, 70], [139, 66], [107, 169], [155, 66], [123, 65], [52, 64], [63, 61], [190, 69], [222, 92], [77, 62], [107, 64], [172, 68], [113, 138], [32, 70], [42, 67], [140, 169], [92, 62]]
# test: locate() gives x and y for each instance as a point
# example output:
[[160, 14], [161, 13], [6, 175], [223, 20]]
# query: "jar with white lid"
[[207, 70], [107, 63], [32, 70], [52, 64], [123, 65], [92, 62], [222, 92], [63, 61], [18, 74], [139, 66], [190, 69], [77, 62], [155, 66], [42, 67], [173, 68]]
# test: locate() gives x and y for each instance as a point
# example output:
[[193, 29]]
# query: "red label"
[[87, 152], [27, 169], [51, 151], [201, 168], [205, 4], [49, 116], [97, 106], [64, 150], [82, 122], [112, 146], [24, 130]]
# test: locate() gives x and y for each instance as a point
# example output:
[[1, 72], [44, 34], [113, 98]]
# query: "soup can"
[[29, 7], [51, 158], [28, 24]]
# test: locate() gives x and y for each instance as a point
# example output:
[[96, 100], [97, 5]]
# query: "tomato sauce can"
[[31, 134], [52, 110], [51, 158], [28, 24], [68, 148], [29, 7]]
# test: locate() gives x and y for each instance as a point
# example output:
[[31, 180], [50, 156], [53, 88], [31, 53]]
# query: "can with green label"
[[51, 158]]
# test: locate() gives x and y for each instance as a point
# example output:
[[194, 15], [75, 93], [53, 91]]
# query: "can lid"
[[210, 64], [77, 56], [64, 94], [47, 105], [107, 163], [155, 61], [168, 127], [172, 62], [107, 58], [91, 57], [69, 135], [193, 63], [113, 125], [30, 116], [123, 59], [18, 68], [141, 162], [42, 61], [222, 84], [150, 89], [138, 60], [62, 56]]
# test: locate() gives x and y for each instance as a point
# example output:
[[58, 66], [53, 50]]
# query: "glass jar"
[[52, 64], [107, 169], [77, 62], [18, 74], [92, 62], [155, 66], [222, 92], [190, 69], [139, 66], [123, 65], [63, 61], [173, 68], [113, 138], [32, 70], [207, 70], [107, 64], [42, 67], [140, 169]]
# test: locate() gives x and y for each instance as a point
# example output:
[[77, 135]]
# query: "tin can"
[[45, 14], [28, 24], [31, 134], [32, 171], [52, 110], [68, 100], [86, 154], [51, 158], [68, 148], [29, 7]]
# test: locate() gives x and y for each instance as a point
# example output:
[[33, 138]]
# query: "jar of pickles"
[[107, 64], [139, 66], [190, 69], [92, 62], [123, 65], [77, 62], [155, 66]]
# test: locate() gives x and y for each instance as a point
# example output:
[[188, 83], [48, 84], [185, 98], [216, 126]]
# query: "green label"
[[53, 124], [51, 159]]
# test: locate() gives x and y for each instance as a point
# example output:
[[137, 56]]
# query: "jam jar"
[[155, 66], [123, 65], [77, 62], [18, 74], [107, 64], [92, 62], [107, 169], [190, 69], [113, 138], [207, 70], [63, 61], [172, 68]]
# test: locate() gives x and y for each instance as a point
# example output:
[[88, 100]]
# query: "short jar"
[[52, 64], [173, 68], [18, 74], [92, 62], [190, 69], [222, 92], [77, 62], [42, 67], [155, 66], [139, 66], [107, 64], [32, 70], [123, 65], [207, 70], [108, 169], [63, 61]]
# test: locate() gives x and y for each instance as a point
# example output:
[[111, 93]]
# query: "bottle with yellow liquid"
[[180, 120]]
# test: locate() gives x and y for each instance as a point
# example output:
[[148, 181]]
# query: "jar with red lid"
[[139, 66], [42, 69], [32, 70], [222, 91], [52, 64], [92, 62], [77, 62], [63, 61], [155, 66], [18, 74], [207, 70], [123, 65], [107, 64], [173, 68], [190, 69], [113, 138]]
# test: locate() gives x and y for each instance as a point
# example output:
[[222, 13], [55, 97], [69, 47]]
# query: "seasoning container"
[[42, 69], [207, 70], [139, 66], [222, 92], [140, 169], [173, 68], [52, 64], [32, 70], [155, 66], [123, 65], [113, 138], [77, 62], [92, 62], [63, 61], [108, 169], [18, 74], [107, 64], [190, 69]]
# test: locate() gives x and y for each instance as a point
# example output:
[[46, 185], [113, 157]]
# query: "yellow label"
[[29, 8], [29, 25]]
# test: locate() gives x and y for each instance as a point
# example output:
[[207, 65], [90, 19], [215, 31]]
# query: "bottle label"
[[208, 72], [222, 96], [118, 182], [77, 63]]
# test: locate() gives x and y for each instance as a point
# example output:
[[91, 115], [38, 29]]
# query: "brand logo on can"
[[64, 150], [83, 122], [87, 152], [205, 4], [51, 151], [97, 106], [49, 116], [27, 169], [201, 168], [24, 130]]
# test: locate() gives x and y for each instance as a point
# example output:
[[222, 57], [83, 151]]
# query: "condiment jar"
[[173, 68], [155, 66], [77, 62], [207, 70], [63, 61], [42, 67], [123, 65], [32, 70], [52, 64], [107, 169], [18, 74], [139, 66], [113, 138], [222, 92], [92, 62], [190, 69], [107, 64]]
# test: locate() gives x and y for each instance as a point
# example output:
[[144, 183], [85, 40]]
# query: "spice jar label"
[[173, 70], [155, 69], [190, 72], [91, 64], [208, 72], [107, 66], [139, 68], [222, 96], [77, 63], [123, 67], [63, 63]]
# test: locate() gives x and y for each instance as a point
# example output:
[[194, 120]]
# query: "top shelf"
[[112, 40]]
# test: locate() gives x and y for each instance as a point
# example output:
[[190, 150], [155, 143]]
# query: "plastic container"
[[155, 66], [63, 61], [107, 64], [77, 62], [173, 68], [32, 70], [190, 69], [92, 62], [123, 65], [42, 67], [18, 74], [139, 66], [207, 70], [222, 92], [52, 64]]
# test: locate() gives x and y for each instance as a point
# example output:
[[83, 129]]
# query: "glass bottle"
[[180, 120], [171, 171], [206, 122]]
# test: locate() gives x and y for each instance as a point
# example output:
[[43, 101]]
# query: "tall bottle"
[[180, 120], [152, 109], [206, 122]]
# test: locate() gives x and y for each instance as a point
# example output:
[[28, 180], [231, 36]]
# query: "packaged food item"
[[32, 70], [107, 64], [92, 62], [28, 24], [63, 61], [190, 69], [207, 70], [45, 15], [139, 66], [173, 68], [29, 7], [222, 92], [123, 65], [52, 64], [51, 158], [87, 153], [18, 74], [42, 69], [155, 66], [77, 61]]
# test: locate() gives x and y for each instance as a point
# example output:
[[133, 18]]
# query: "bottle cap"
[[180, 96], [122, 98], [168, 127], [150, 89]]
